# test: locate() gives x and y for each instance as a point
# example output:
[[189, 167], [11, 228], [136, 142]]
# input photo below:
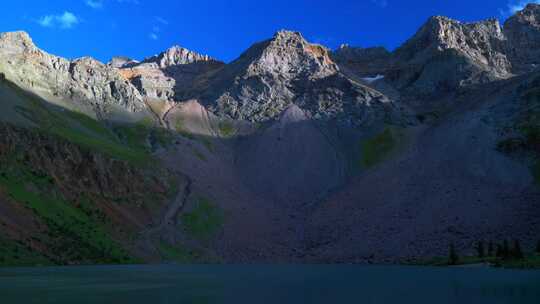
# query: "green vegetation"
[[180, 128], [536, 171], [453, 258], [529, 262], [199, 154], [427, 116], [204, 221], [82, 130], [528, 127], [376, 149], [75, 231], [129, 142], [178, 254], [15, 253], [226, 129], [505, 256], [462, 260], [207, 144]]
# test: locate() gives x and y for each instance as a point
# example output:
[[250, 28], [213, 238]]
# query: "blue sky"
[[223, 29]]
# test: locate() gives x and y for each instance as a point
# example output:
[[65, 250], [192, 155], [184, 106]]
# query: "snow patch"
[[372, 79]]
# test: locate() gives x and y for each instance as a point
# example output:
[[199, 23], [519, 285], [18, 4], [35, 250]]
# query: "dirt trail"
[[167, 219]]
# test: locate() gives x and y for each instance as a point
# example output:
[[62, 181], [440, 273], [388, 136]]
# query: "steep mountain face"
[[121, 61], [289, 153], [446, 54], [293, 144], [71, 205], [365, 61], [523, 33], [287, 70], [85, 83], [163, 76]]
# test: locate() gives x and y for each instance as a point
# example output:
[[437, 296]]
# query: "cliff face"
[[86, 81], [445, 54], [167, 75], [291, 152], [523, 33], [285, 70]]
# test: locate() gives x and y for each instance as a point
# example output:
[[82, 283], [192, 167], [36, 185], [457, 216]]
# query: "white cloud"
[[162, 20], [516, 5], [159, 22], [381, 3], [66, 20], [95, 3]]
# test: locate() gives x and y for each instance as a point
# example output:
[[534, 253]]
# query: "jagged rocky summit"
[[84, 80], [353, 86]]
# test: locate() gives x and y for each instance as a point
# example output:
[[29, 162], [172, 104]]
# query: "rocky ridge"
[[162, 76], [259, 141], [83, 81], [447, 54], [286, 70], [523, 33]]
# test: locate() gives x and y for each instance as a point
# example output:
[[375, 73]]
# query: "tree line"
[[503, 251]]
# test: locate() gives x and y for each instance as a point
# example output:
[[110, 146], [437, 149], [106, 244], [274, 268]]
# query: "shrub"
[[491, 249], [453, 258], [480, 249], [517, 253]]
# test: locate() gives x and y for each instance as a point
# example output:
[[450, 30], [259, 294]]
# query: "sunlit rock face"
[[85, 80], [523, 33], [446, 54], [285, 70], [166, 75]]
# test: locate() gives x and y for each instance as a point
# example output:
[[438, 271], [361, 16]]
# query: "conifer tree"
[[499, 253], [453, 257], [517, 253], [505, 250], [490, 249], [481, 250]]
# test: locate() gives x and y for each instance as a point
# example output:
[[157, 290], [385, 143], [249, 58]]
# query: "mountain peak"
[[532, 7], [529, 15], [287, 35], [177, 55], [523, 33], [289, 53], [17, 41]]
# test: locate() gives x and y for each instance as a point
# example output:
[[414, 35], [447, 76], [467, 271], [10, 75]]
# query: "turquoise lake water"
[[267, 284]]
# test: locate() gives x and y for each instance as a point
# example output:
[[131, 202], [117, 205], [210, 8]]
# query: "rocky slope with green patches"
[[84, 206], [290, 153]]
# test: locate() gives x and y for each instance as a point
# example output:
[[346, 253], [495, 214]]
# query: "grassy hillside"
[[527, 130], [130, 142], [89, 185]]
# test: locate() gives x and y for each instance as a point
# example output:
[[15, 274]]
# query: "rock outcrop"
[[85, 81], [366, 61], [285, 70], [165, 75], [523, 33], [120, 62], [446, 54]]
